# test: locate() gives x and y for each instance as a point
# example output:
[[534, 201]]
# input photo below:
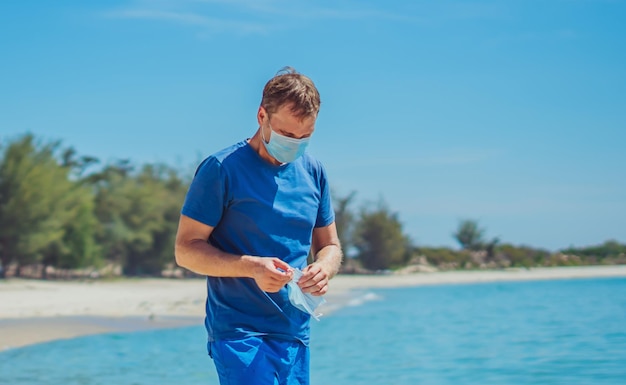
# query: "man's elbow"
[[180, 255]]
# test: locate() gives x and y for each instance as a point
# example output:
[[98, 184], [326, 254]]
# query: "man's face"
[[284, 122]]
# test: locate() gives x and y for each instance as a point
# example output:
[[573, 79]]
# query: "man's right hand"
[[270, 274]]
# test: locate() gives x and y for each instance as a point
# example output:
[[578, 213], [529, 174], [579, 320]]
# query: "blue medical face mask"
[[283, 148], [306, 302]]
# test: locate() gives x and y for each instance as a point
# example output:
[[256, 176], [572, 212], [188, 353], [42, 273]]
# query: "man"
[[252, 214]]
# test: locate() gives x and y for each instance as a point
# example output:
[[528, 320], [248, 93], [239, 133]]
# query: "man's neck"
[[257, 145]]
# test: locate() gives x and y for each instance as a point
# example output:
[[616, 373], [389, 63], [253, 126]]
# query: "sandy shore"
[[38, 311]]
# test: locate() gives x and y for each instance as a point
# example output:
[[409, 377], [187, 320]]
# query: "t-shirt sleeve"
[[325, 212], [206, 195]]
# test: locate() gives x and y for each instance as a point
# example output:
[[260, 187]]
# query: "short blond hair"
[[288, 87]]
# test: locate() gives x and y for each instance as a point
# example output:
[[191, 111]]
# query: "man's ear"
[[261, 115]]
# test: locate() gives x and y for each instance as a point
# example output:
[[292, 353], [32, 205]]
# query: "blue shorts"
[[260, 361]]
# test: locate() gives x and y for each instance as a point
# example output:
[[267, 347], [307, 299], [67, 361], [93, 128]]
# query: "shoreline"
[[33, 311], [16, 333]]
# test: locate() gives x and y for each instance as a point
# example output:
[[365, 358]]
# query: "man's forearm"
[[202, 258]]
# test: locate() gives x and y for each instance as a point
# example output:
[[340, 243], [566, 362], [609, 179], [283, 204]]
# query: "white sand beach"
[[33, 311]]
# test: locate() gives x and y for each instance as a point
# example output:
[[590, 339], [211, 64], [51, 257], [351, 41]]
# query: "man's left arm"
[[327, 260]]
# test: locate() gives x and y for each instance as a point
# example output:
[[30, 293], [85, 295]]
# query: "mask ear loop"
[[263, 131]]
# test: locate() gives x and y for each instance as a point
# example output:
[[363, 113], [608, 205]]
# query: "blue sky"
[[512, 113]]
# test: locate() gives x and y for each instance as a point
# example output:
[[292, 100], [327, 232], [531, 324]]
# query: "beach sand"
[[33, 311]]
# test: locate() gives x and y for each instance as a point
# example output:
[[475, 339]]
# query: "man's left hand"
[[314, 279]]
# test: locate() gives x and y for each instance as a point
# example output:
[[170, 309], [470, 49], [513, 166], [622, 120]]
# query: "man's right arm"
[[195, 253]]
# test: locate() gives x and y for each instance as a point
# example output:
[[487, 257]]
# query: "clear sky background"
[[512, 113]]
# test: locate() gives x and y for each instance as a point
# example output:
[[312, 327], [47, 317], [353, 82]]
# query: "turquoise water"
[[548, 332]]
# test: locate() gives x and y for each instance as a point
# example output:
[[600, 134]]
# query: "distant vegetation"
[[378, 241], [58, 219]]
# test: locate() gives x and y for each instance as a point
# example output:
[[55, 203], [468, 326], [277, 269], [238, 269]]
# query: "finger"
[[273, 286], [319, 289], [309, 272], [279, 278], [276, 275], [316, 289], [280, 282], [311, 281], [279, 264]]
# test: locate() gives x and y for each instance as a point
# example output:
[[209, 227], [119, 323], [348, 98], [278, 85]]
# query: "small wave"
[[367, 297], [352, 299]]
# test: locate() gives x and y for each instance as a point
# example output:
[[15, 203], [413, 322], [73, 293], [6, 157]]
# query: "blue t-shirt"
[[260, 209]]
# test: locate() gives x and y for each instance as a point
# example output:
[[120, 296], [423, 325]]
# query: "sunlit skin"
[[270, 273]]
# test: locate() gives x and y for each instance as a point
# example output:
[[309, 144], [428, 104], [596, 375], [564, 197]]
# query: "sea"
[[518, 333]]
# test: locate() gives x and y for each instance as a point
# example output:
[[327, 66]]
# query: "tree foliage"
[[523, 256], [379, 239], [469, 235], [40, 206], [443, 256], [138, 214], [53, 213], [609, 250], [344, 219]]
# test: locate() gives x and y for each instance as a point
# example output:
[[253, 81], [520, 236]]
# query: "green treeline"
[[375, 235], [55, 214], [60, 217]]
